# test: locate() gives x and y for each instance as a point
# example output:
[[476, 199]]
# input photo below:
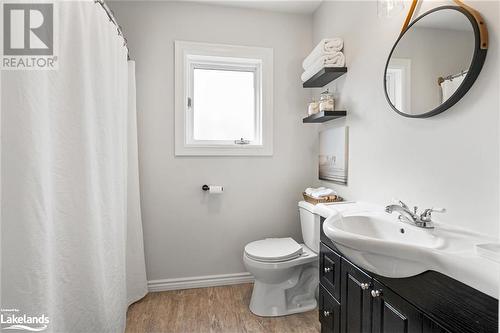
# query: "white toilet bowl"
[[283, 287], [285, 272]]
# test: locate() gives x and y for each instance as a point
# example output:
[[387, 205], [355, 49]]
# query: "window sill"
[[224, 151]]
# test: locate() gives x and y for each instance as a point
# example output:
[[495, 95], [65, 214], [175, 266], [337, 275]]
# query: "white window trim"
[[260, 60], [399, 78]]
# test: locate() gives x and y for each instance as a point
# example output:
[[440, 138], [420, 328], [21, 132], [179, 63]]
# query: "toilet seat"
[[274, 250]]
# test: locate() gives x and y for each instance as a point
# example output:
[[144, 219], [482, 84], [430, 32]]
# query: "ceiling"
[[284, 6]]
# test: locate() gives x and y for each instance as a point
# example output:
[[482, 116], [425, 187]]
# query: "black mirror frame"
[[475, 68]]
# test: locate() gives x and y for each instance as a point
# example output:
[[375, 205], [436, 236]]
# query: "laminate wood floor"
[[210, 310]]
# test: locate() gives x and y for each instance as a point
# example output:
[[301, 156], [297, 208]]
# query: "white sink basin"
[[380, 243]]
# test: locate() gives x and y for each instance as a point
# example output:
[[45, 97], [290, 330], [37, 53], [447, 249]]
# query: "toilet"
[[285, 272]]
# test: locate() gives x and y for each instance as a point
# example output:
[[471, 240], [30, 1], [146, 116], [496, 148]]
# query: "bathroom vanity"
[[353, 300]]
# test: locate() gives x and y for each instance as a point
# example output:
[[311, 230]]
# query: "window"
[[217, 91], [223, 99]]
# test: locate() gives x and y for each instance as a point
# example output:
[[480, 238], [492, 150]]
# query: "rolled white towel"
[[336, 59], [325, 46]]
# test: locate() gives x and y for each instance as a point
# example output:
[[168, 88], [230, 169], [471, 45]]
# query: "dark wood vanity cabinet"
[[356, 299], [391, 313], [352, 300], [329, 270], [429, 326], [380, 312], [329, 314]]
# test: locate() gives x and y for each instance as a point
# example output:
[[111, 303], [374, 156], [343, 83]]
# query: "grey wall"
[[450, 160], [188, 233]]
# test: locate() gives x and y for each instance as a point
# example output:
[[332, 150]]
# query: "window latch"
[[241, 142], [189, 102]]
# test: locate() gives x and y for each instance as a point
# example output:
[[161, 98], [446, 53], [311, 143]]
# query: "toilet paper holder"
[[206, 188]]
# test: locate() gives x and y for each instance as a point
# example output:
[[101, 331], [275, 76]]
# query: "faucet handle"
[[405, 206], [401, 203], [435, 210], [426, 216]]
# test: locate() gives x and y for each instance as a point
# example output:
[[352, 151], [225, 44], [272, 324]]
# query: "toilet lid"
[[274, 249]]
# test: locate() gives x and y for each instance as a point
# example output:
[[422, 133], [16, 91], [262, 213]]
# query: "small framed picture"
[[333, 154]]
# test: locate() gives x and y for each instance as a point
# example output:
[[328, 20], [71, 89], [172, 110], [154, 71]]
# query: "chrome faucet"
[[404, 212], [423, 220]]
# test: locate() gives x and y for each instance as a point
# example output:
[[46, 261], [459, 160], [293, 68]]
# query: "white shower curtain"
[[136, 273], [71, 235], [449, 86]]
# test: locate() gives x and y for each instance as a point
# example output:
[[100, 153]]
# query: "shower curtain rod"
[[111, 16], [451, 77]]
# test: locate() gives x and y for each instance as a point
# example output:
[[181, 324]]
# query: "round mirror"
[[434, 62]]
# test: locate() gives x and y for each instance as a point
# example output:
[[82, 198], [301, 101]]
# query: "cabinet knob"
[[328, 269], [376, 293], [364, 286], [326, 313]]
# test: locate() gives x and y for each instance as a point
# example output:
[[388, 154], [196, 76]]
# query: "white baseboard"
[[199, 282]]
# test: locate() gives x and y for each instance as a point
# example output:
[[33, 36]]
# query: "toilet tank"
[[310, 224]]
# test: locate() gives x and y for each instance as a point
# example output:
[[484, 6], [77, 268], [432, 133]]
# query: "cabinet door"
[[356, 300], [329, 270], [392, 314], [329, 312]]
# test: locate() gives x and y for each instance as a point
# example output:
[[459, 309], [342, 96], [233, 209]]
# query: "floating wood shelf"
[[324, 76], [323, 116]]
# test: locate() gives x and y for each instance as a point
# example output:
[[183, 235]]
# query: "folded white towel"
[[320, 192], [326, 46], [323, 193], [310, 190], [336, 59]]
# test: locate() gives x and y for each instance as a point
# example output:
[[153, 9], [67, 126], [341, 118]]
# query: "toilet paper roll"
[[215, 189]]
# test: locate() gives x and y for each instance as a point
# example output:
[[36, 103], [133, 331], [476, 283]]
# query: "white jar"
[[313, 108]]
